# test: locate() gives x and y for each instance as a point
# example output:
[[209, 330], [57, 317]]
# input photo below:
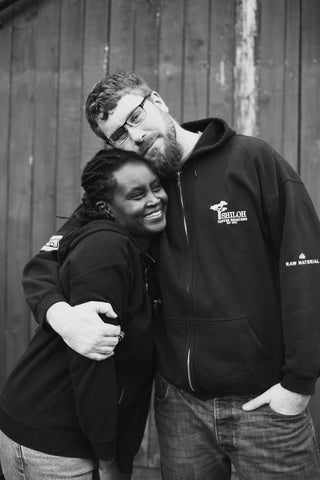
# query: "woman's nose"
[[152, 199]]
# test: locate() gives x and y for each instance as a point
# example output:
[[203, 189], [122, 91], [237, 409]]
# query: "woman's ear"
[[157, 100], [101, 206]]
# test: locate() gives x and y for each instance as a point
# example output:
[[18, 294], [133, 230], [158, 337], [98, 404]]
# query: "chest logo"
[[226, 216]]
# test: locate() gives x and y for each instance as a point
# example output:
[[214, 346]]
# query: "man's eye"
[[118, 135], [136, 116]]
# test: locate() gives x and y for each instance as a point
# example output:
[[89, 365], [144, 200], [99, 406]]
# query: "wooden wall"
[[256, 63]]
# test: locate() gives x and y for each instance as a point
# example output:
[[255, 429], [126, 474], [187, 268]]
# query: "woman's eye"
[[156, 187], [137, 195]]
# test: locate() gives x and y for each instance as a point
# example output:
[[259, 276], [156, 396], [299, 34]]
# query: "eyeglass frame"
[[141, 105]]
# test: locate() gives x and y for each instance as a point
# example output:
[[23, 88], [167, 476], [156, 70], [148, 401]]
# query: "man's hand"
[[83, 330], [280, 400]]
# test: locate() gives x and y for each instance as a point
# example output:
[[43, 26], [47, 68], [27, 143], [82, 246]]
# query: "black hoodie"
[[239, 271], [62, 403]]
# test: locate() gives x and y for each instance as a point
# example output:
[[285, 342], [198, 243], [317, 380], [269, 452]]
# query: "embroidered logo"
[[302, 260], [52, 244], [228, 217]]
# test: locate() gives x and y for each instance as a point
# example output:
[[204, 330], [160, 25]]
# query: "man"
[[238, 338]]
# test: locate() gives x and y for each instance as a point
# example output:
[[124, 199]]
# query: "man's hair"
[[98, 180], [105, 95]]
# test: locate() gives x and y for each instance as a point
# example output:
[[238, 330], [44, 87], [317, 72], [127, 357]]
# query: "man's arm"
[[294, 234], [80, 327]]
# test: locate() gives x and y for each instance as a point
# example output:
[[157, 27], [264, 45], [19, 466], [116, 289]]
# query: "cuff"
[[304, 386], [125, 461], [43, 306]]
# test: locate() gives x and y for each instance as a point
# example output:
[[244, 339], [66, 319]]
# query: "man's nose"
[[136, 134]]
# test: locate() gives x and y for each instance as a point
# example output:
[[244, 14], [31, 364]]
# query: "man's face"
[[154, 137]]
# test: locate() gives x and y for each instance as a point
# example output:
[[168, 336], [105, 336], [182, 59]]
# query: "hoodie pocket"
[[226, 356]]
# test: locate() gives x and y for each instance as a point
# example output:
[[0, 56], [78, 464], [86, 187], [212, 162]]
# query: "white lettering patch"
[[52, 244], [302, 260], [228, 217]]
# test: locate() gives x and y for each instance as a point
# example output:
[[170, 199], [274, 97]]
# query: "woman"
[[61, 414]]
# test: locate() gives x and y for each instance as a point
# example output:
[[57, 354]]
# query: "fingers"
[[104, 308], [100, 356], [110, 330], [256, 402]]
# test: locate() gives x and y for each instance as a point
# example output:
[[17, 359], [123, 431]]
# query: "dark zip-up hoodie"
[[239, 271], [62, 403]]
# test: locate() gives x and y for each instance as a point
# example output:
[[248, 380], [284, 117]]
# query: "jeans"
[[200, 440], [22, 463]]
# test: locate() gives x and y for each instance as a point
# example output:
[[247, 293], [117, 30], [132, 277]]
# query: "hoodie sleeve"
[[295, 235], [97, 269], [40, 278]]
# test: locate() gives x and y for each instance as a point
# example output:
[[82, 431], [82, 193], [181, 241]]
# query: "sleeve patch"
[[52, 244]]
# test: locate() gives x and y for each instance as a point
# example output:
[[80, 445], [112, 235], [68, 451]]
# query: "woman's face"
[[139, 202]]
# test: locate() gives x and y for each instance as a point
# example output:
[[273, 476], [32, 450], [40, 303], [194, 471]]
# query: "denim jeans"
[[200, 440], [22, 463]]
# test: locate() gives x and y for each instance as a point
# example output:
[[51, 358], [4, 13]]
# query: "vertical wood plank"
[[290, 135], [222, 51], [5, 99], [20, 172], [171, 55], [309, 155], [272, 59], [70, 107], [44, 171], [245, 82], [310, 99], [122, 36], [146, 54], [96, 47], [195, 91]]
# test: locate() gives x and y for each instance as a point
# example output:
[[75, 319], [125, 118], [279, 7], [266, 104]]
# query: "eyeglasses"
[[135, 118]]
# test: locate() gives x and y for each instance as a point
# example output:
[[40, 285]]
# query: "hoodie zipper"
[[187, 286]]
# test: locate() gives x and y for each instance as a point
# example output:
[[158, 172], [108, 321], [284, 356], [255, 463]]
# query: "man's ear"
[[155, 97]]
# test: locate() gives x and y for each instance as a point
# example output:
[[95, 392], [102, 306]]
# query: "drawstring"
[[194, 169]]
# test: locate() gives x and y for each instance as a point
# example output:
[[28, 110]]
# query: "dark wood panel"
[[70, 106], [20, 179], [271, 62], [171, 55], [291, 91], [45, 138], [146, 53], [5, 117], [310, 125], [196, 66], [222, 51], [310, 99], [95, 55], [122, 36]]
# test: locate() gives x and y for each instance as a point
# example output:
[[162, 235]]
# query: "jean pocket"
[[161, 387], [285, 415]]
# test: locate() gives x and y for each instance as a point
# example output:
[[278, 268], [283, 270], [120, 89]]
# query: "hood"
[[215, 132], [78, 229]]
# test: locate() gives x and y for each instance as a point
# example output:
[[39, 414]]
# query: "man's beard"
[[168, 160]]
